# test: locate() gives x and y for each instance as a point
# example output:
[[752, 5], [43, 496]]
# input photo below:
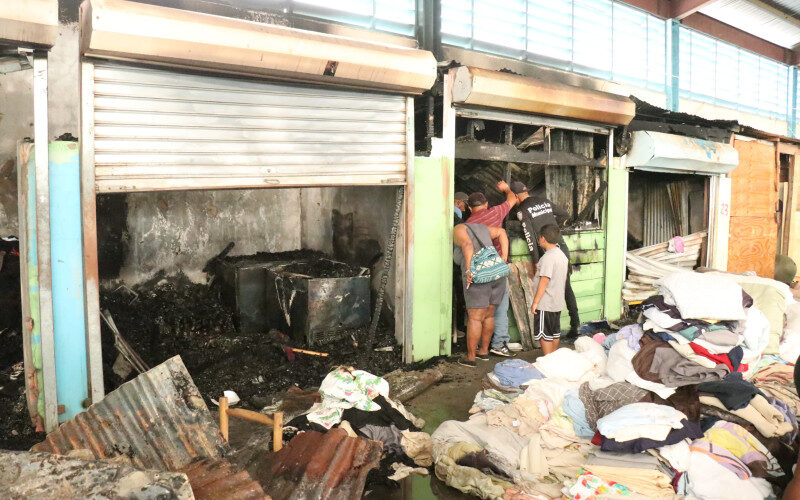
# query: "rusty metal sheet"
[[158, 420], [215, 478], [44, 476], [319, 466]]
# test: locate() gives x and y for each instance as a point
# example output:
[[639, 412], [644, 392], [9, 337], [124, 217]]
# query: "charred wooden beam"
[[475, 150]]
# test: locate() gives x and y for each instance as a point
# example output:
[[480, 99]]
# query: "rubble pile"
[[170, 315], [692, 399]]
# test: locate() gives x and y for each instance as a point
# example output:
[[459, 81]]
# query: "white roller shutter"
[[158, 129]]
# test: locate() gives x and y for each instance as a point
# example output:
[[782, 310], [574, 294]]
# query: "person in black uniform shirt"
[[535, 212]]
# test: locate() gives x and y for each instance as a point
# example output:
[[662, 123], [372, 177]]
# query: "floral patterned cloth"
[[344, 388], [588, 486]]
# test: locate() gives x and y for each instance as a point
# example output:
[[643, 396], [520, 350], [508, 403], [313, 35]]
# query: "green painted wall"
[[587, 253], [616, 236], [432, 258]]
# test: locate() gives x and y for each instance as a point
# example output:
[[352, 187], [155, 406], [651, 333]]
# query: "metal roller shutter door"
[[158, 129]]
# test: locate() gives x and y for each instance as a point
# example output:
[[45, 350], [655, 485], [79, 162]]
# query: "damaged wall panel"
[[182, 230]]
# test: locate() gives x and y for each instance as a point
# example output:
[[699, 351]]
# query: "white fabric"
[[660, 318], [503, 444], [619, 363], [707, 479], [548, 392], [713, 348], [662, 390], [565, 363], [703, 296], [593, 351], [638, 420], [790, 344], [677, 455], [756, 335]]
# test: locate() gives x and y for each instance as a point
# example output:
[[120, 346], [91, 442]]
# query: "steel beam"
[[735, 36], [680, 9], [40, 132], [89, 227]]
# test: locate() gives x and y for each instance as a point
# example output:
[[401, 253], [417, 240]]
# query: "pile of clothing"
[[682, 402], [358, 402]]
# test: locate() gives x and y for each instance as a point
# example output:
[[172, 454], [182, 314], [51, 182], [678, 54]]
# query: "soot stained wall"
[[181, 230]]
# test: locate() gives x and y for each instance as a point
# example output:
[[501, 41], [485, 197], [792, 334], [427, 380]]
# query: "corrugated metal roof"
[[216, 478], [759, 19], [158, 420], [319, 466], [43, 475]]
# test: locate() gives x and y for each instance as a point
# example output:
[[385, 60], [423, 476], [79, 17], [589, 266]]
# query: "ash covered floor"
[[171, 315]]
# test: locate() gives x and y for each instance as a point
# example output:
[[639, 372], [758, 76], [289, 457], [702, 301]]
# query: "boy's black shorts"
[[547, 325]]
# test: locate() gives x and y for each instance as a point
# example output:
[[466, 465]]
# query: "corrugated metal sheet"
[[319, 466], [767, 23], [158, 420], [216, 478], [659, 224], [157, 129], [44, 476]]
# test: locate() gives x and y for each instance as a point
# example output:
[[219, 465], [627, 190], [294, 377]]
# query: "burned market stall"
[[679, 194], [236, 301], [252, 219], [556, 139]]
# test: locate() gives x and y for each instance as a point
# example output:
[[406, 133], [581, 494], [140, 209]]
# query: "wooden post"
[[277, 431], [223, 417]]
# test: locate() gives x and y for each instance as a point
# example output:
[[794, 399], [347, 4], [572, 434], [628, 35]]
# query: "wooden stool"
[[276, 421]]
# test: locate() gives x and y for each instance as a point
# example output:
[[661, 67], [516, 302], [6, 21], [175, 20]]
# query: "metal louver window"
[[601, 38], [394, 16], [723, 74], [158, 129]]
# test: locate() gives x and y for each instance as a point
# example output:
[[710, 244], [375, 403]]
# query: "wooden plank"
[[587, 288], [519, 306], [526, 278], [488, 151], [753, 225], [585, 240], [586, 256], [589, 303], [23, 200], [586, 316], [755, 242], [584, 272]]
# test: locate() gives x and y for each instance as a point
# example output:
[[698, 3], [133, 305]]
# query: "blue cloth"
[[515, 372], [610, 340], [575, 410], [458, 213], [501, 335], [789, 416], [630, 333], [666, 337]]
